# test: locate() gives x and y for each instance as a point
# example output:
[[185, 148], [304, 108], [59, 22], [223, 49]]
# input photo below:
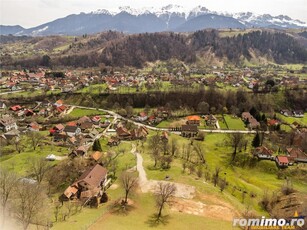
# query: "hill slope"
[[118, 49]]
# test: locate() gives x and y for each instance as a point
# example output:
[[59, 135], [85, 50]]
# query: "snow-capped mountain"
[[150, 19], [267, 20]]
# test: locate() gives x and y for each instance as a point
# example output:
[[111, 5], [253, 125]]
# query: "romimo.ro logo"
[[266, 222]]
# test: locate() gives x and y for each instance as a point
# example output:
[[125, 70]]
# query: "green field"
[[94, 89], [77, 112], [256, 179], [290, 120], [19, 162], [26, 94], [234, 123]]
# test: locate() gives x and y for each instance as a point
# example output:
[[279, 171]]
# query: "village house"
[[96, 156], [79, 152], [96, 120], [90, 136], [211, 120], [193, 120], [298, 113], [163, 112], [139, 133], [286, 112], [189, 130], [72, 130], [296, 155], [2, 105], [33, 126], [250, 121], [263, 153], [14, 133], [141, 117], [90, 184], [85, 123], [123, 133], [57, 129], [282, 161], [7, 123], [15, 108], [59, 136], [113, 141]]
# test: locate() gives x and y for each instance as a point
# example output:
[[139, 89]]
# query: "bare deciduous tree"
[[35, 138], [30, 205], [156, 147], [19, 147], [173, 147], [129, 182], [216, 175], [235, 140], [39, 167], [164, 193], [8, 181]]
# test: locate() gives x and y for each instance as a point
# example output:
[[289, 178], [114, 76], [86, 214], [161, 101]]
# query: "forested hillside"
[[118, 49]]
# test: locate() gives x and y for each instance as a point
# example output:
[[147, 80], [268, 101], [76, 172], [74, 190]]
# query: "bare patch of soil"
[[201, 209]]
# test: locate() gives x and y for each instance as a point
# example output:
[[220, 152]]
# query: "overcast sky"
[[29, 13]]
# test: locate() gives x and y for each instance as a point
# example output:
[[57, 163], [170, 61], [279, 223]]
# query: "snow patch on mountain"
[[103, 11], [36, 32]]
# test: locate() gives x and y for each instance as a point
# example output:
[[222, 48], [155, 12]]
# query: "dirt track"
[[182, 190]]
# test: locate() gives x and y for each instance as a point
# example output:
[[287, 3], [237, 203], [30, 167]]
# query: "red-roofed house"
[[263, 152], [15, 108], [193, 120], [282, 161]]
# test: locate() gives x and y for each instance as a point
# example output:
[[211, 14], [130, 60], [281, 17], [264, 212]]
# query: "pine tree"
[[96, 145], [256, 141]]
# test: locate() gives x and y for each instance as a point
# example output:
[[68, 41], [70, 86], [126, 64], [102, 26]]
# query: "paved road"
[[11, 92], [112, 113]]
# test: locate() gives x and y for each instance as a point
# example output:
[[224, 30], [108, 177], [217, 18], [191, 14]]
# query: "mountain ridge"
[[168, 18]]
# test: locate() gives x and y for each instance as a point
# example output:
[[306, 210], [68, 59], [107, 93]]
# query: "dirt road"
[[182, 190]]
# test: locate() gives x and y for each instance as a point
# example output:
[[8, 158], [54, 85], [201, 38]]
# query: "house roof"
[[121, 131], [72, 123], [15, 107], [263, 150], [70, 129], [86, 125], [296, 153], [59, 102], [61, 108], [96, 155], [283, 159], [94, 175], [34, 125], [59, 127], [7, 120], [84, 119], [71, 190], [96, 118], [189, 128], [81, 148], [272, 122], [193, 118]]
